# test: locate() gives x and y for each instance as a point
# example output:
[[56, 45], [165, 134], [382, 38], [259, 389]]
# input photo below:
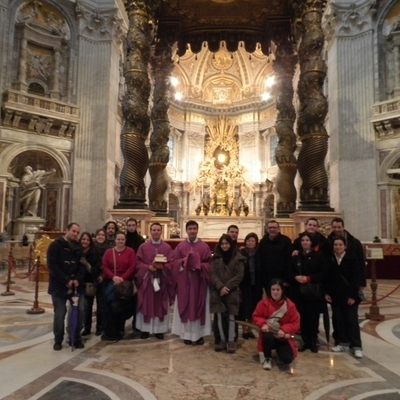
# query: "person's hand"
[[295, 253], [224, 291], [158, 265], [76, 283], [350, 302], [100, 279], [152, 268], [265, 328], [301, 279], [70, 283], [281, 334], [117, 280], [328, 298]]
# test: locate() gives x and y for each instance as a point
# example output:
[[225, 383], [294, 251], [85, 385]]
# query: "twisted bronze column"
[[312, 111], [284, 66], [162, 66], [135, 104]]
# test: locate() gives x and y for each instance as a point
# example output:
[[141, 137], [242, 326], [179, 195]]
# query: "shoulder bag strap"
[[115, 263]]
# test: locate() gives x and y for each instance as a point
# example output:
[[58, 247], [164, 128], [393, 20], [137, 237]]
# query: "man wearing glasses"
[[274, 254]]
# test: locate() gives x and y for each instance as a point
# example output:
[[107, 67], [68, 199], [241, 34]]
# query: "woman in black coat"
[[307, 274], [341, 287], [250, 286], [92, 263]]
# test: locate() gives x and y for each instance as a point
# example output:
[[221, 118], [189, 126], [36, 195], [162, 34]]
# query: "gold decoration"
[[41, 246], [220, 172]]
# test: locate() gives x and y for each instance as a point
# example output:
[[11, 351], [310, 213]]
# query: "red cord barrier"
[[11, 260], [382, 298]]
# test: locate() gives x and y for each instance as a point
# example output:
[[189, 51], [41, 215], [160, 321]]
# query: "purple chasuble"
[[150, 303], [192, 284]]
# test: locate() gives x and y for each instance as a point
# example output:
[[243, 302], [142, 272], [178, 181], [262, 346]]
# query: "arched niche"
[[55, 196], [173, 207]]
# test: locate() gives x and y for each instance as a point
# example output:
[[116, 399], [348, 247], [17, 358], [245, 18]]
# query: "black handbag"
[[310, 291]]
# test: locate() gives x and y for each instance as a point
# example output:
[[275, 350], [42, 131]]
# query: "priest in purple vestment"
[[154, 283], [191, 274]]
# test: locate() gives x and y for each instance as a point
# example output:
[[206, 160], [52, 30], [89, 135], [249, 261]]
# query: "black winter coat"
[[342, 281], [355, 250], [274, 258], [63, 264], [312, 264]]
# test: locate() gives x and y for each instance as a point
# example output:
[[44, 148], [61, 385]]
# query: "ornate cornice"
[[100, 25], [348, 19]]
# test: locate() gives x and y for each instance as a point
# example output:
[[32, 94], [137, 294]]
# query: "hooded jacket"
[[64, 266]]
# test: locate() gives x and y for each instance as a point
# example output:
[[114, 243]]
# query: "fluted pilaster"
[[312, 111], [284, 66], [135, 104], [162, 66]]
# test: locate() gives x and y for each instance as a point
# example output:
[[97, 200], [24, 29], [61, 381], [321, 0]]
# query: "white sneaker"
[[267, 364], [340, 349], [261, 356], [358, 354]]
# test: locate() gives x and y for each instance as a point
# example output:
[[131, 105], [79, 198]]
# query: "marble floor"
[[168, 370]]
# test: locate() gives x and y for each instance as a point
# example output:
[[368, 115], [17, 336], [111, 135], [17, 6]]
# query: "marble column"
[[4, 29], [55, 93], [135, 104], [162, 66], [312, 111], [284, 66], [351, 53], [96, 142], [22, 63]]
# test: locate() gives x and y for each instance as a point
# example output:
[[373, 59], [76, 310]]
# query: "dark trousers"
[[215, 329], [89, 301], [283, 349], [347, 330], [309, 319], [115, 317]]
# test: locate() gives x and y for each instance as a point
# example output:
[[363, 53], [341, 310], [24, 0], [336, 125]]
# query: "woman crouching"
[[278, 319]]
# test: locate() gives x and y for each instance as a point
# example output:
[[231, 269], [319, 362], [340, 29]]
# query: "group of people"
[[298, 278]]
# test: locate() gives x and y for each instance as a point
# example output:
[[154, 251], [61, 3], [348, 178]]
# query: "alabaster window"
[[273, 142]]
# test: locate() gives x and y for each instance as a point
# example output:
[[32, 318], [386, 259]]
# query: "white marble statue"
[[32, 182]]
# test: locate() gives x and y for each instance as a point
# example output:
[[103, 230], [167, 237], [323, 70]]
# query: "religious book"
[[160, 258]]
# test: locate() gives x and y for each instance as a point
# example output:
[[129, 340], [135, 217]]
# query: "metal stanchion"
[[8, 292], [36, 309], [374, 313], [9, 280]]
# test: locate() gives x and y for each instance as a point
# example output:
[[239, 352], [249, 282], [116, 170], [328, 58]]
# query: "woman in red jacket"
[[278, 320]]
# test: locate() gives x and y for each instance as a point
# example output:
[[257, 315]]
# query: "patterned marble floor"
[[169, 370]]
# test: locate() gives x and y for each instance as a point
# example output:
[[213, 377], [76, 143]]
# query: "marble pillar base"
[[212, 227], [28, 226], [142, 216], [324, 218], [287, 227]]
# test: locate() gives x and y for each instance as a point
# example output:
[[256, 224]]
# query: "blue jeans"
[[60, 310]]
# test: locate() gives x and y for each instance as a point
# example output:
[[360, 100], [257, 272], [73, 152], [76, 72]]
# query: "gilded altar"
[[221, 185]]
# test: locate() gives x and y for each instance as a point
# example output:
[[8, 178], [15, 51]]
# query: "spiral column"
[[141, 14], [313, 108], [284, 66], [162, 66]]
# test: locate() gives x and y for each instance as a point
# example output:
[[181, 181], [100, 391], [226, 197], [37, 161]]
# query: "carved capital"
[[348, 19], [100, 25]]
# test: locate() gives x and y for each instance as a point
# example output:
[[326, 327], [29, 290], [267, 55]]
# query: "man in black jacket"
[[274, 254], [66, 275], [133, 239]]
